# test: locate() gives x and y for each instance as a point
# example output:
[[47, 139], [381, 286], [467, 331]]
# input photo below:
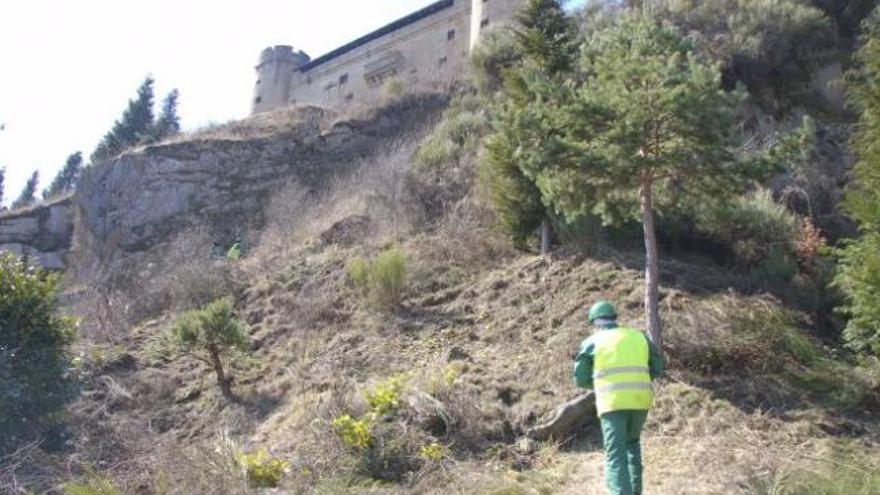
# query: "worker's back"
[[621, 375]]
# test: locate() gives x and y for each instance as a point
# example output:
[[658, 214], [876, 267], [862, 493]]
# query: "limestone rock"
[[42, 233]]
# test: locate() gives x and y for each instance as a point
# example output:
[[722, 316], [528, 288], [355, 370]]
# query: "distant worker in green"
[[619, 364]]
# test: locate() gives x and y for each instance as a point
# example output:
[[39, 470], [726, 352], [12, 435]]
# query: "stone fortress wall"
[[428, 48]]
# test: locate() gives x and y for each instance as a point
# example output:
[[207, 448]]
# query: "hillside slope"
[[478, 352], [751, 401]]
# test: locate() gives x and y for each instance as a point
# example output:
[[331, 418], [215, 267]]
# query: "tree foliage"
[[168, 123], [34, 343], [771, 46], [546, 41], [642, 125], [29, 194], [860, 259], [211, 333], [67, 178], [135, 125], [847, 14], [546, 36], [2, 185]]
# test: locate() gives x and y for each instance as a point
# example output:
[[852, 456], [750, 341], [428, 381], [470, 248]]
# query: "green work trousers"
[[623, 453]]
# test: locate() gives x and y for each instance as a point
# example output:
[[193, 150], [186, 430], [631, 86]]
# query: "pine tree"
[[135, 125], [2, 186], [860, 260], [168, 123], [28, 194], [67, 178], [546, 39], [646, 124], [546, 36]]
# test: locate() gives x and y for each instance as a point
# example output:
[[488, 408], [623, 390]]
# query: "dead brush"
[[28, 470], [457, 416], [261, 125], [465, 237], [298, 216], [726, 333], [207, 466]]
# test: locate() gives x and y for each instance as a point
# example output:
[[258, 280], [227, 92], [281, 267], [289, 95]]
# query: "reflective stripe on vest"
[[621, 376], [621, 369]]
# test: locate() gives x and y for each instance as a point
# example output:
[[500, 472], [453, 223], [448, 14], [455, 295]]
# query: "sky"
[[68, 68]]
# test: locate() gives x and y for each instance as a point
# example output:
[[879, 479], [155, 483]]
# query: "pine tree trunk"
[[221, 375], [545, 236], [652, 267]]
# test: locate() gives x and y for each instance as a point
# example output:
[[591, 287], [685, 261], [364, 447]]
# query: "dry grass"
[[298, 217], [258, 126], [486, 336]]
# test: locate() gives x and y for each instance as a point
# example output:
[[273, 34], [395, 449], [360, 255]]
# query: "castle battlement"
[[428, 48], [283, 54]]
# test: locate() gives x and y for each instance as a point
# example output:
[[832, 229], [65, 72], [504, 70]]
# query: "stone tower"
[[476, 22], [486, 13], [274, 72]]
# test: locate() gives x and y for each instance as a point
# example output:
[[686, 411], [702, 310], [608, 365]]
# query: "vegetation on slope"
[[422, 369]]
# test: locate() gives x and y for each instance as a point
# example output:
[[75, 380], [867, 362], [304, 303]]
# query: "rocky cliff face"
[[43, 233], [219, 181]]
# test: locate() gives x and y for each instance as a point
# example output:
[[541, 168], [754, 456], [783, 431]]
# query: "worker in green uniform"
[[619, 364]]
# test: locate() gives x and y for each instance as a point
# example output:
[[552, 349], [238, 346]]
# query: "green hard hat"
[[602, 309]]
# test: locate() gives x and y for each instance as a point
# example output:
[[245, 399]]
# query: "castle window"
[[442, 62], [258, 99], [349, 97], [343, 79], [259, 81], [484, 23], [450, 35]]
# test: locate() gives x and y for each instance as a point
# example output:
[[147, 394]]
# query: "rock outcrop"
[[43, 234], [223, 183], [219, 181]]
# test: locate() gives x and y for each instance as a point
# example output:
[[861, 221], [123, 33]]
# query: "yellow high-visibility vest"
[[621, 377]]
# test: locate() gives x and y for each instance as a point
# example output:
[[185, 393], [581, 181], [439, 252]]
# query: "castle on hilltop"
[[428, 48]]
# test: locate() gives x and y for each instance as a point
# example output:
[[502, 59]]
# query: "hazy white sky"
[[68, 68]]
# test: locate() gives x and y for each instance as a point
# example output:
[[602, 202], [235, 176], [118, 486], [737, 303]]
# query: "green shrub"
[[859, 277], [496, 52], [761, 234], [389, 277], [381, 282], [359, 273], [728, 333], [263, 470], [772, 46], [385, 446], [385, 397], [34, 352], [458, 134], [354, 433], [434, 452], [436, 151], [210, 333], [859, 273]]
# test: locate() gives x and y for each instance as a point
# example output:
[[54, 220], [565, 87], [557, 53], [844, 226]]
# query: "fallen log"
[[568, 419]]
